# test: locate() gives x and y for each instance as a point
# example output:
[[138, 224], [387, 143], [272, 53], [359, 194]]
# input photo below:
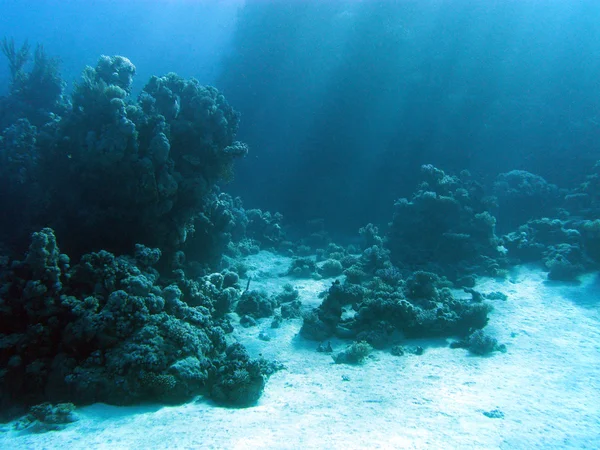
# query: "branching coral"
[[17, 58]]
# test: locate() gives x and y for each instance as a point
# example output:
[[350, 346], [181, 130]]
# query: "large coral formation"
[[551, 226], [566, 248], [445, 227], [584, 201], [106, 329], [149, 166], [105, 172], [567, 241], [522, 196], [122, 171], [423, 306]]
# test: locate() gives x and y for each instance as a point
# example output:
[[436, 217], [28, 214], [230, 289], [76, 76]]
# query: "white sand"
[[547, 385]]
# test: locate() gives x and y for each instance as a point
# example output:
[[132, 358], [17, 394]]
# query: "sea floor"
[[546, 386]]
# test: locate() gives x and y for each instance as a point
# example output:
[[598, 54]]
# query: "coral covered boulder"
[[121, 170], [108, 330], [444, 227]]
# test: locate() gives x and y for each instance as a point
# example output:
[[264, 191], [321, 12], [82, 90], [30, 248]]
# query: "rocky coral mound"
[[108, 329], [445, 227], [117, 169], [375, 312]]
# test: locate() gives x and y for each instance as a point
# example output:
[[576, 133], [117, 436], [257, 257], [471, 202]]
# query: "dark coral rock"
[[563, 247], [120, 170], [476, 296], [494, 414], [390, 275], [303, 268], [256, 304], [239, 381], [248, 321], [313, 328], [348, 261], [468, 281], [479, 343], [378, 335], [496, 295], [47, 417], [230, 279], [398, 350], [277, 321], [590, 231], [147, 256], [417, 350], [116, 71], [331, 268], [584, 201], [375, 258], [370, 236], [424, 308], [322, 348], [265, 227], [323, 321], [291, 310], [444, 227], [355, 353], [288, 294], [523, 196], [423, 285], [105, 331], [562, 264], [264, 336], [355, 274]]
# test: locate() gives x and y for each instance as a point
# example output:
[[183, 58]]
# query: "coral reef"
[[421, 306], [239, 380], [149, 165], [303, 267], [107, 329], [47, 417], [444, 228], [288, 294], [142, 310], [36, 94], [567, 243], [559, 245], [584, 201], [121, 170], [256, 304], [331, 268], [479, 343], [322, 322], [523, 196]]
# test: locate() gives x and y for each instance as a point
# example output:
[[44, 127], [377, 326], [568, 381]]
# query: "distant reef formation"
[[406, 283], [456, 227]]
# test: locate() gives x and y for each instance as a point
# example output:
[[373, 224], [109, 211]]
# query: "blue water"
[[186, 37]]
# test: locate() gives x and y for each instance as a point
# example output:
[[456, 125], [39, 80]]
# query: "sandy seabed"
[[547, 386]]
